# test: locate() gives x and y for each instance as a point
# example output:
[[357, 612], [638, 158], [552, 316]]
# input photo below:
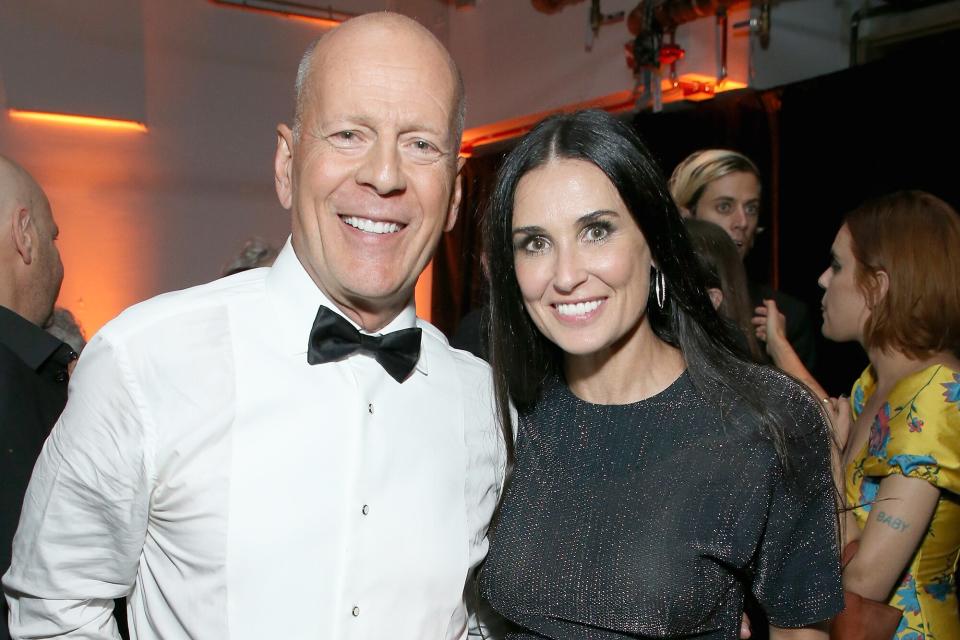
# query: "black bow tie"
[[334, 338]]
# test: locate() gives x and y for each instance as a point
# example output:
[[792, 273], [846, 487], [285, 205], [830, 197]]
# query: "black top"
[[33, 392], [648, 520], [800, 329]]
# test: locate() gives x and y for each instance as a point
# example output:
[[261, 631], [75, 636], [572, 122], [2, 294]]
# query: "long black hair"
[[523, 359]]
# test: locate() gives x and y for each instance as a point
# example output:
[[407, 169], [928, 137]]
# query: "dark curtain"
[[458, 283], [850, 136]]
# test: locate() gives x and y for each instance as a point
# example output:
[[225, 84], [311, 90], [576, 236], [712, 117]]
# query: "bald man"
[[287, 452], [33, 364]]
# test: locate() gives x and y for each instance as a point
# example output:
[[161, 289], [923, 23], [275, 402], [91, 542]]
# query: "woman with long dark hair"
[[726, 279], [893, 285], [658, 473]]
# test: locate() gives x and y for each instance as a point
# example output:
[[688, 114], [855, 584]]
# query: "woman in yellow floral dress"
[[894, 286]]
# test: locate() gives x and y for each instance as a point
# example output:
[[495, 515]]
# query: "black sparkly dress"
[[650, 520]]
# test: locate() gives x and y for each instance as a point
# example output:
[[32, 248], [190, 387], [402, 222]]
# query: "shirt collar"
[[29, 342], [297, 298]]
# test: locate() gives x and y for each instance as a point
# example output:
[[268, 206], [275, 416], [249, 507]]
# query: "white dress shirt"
[[235, 491]]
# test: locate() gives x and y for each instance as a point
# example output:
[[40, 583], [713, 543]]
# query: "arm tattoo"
[[897, 524]]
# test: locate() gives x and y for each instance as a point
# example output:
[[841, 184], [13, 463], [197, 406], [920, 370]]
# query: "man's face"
[[733, 203], [47, 268], [372, 181]]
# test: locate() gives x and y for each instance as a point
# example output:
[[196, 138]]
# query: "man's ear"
[[457, 196], [283, 166], [22, 228]]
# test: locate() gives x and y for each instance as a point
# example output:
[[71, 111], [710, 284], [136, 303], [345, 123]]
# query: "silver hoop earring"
[[660, 287]]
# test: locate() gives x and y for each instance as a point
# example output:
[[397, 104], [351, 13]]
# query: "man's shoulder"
[[179, 309], [471, 368]]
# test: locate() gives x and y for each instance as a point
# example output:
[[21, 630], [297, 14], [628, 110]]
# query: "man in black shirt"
[[723, 187], [33, 364]]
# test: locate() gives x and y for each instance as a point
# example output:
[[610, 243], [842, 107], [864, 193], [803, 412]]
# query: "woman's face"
[[844, 305], [733, 203], [582, 264]]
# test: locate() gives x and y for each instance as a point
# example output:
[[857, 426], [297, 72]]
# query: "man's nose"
[[382, 168], [739, 217]]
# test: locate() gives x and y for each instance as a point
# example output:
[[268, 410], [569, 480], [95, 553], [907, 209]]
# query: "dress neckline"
[[668, 393]]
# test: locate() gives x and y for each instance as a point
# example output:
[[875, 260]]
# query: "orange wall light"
[[323, 17], [77, 121]]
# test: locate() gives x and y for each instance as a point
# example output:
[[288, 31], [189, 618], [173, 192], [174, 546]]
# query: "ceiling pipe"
[[669, 14]]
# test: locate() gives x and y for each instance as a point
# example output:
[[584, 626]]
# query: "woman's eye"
[[752, 209], [533, 244], [834, 266], [723, 207], [596, 232]]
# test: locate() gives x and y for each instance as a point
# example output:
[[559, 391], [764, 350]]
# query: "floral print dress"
[[916, 433]]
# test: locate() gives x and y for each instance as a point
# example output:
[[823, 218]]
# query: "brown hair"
[[724, 270], [913, 237]]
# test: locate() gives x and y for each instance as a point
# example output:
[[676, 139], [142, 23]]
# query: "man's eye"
[[424, 147], [723, 207], [345, 137], [752, 209]]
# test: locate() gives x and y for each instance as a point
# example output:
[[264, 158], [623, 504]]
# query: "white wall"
[[808, 38]]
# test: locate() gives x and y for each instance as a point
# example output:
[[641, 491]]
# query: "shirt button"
[[366, 509], [355, 611], [61, 376], [370, 408]]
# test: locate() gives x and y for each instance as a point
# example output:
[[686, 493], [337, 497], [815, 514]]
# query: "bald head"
[[17, 187], [31, 268], [402, 33]]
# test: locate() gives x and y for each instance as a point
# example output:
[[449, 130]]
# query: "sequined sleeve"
[[797, 579]]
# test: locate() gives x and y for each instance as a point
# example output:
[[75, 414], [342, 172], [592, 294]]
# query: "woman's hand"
[[770, 326], [838, 410]]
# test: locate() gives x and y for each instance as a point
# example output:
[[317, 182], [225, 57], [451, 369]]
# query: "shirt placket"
[[358, 610]]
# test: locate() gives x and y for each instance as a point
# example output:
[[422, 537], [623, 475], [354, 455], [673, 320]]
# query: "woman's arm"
[[771, 327], [898, 521], [818, 631]]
